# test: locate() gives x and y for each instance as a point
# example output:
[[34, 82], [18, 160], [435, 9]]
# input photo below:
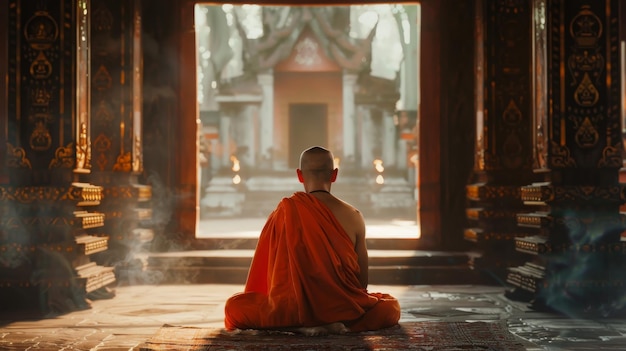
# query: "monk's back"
[[348, 216]]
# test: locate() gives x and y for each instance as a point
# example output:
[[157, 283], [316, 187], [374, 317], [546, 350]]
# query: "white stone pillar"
[[225, 139], [250, 113], [349, 139], [367, 140], [266, 127], [389, 139]]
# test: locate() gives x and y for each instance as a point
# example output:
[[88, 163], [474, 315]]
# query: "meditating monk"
[[309, 272]]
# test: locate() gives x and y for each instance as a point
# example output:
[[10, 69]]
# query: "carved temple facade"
[[519, 138]]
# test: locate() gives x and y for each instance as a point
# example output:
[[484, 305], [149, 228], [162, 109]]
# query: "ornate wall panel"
[[48, 58], [116, 70], [584, 129], [504, 129]]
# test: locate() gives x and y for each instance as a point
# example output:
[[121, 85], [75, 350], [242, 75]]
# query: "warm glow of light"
[[380, 179], [378, 164], [236, 179], [336, 162], [236, 166]]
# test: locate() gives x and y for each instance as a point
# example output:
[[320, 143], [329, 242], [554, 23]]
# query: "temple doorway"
[[274, 80], [308, 126]]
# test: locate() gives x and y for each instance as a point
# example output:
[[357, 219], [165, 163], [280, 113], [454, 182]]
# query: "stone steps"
[[393, 261]]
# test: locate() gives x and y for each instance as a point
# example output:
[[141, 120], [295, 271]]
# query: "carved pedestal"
[[48, 236]]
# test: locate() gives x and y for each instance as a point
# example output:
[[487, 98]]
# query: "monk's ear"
[[300, 177], [333, 176]]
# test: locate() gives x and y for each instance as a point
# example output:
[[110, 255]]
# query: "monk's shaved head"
[[317, 162]]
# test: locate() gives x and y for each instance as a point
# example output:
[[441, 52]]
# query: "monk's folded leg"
[[385, 314], [244, 311]]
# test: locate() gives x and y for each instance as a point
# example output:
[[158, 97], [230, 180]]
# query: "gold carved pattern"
[[63, 157], [138, 160], [586, 135], [40, 33], [120, 192], [102, 144], [83, 151], [102, 79], [560, 156], [534, 220], [16, 157], [537, 193], [40, 139], [78, 193], [489, 214], [491, 192], [611, 157]]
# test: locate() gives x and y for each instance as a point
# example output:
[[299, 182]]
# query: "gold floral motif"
[[63, 157], [560, 156], [611, 158], [16, 157]]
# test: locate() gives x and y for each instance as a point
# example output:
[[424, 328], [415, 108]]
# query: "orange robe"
[[305, 273]]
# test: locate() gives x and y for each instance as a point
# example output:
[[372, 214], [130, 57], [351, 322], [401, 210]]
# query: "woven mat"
[[430, 336]]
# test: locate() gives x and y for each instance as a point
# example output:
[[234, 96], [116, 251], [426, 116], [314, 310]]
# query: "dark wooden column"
[[504, 144], [187, 127], [46, 205], [117, 134], [4, 117], [575, 260], [429, 210]]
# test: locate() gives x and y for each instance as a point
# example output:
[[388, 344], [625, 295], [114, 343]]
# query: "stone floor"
[[137, 311]]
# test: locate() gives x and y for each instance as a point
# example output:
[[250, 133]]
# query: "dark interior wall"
[[160, 104], [457, 116]]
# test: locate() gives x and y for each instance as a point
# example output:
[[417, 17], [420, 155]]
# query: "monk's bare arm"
[[361, 250]]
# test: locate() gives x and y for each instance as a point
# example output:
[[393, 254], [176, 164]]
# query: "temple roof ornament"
[[283, 27]]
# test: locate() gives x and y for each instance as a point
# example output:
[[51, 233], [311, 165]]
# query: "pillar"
[[367, 142], [53, 226], [503, 138], [116, 102], [575, 260], [266, 128], [225, 126], [389, 139], [349, 125]]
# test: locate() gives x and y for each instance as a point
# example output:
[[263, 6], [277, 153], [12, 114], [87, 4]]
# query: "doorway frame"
[[428, 132]]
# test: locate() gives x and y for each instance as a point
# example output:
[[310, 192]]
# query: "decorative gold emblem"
[[40, 138], [586, 28], [63, 157], [586, 94], [41, 68], [586, 136], [41, 30], [41, 97], [102, 79], [16, 157]]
